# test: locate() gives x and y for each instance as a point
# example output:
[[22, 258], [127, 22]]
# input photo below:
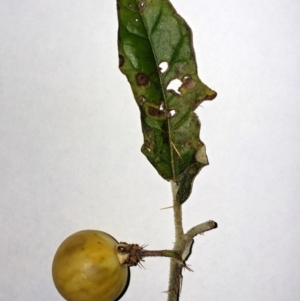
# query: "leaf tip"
[[210, 96]]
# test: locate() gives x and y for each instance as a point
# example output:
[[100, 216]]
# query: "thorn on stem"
[[188, 268], [166, 208]]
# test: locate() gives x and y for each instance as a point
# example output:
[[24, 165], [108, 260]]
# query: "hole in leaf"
[[172, 113], [136, 20], [174, 85], [163, 66]]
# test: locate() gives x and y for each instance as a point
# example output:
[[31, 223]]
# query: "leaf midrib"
[[163, 92]]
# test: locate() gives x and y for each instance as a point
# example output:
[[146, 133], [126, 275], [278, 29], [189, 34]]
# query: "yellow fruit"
[[86, 268]]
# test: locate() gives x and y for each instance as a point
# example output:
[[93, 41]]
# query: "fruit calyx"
[[129, 254]]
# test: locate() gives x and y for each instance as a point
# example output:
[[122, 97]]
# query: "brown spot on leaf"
[[210, 97], [141, 79], [200, 155], [157, 113], [147, 143], [121, 60], [142, 5], [188, 83], [142, 100], [147, 146]]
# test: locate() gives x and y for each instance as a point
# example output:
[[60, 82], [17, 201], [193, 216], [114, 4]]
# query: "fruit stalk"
[[133, 254]]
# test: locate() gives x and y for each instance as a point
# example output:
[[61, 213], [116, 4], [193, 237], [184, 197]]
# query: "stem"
[[181, 242], [177, 212], [174, 281], [175, 267], [133, 254]]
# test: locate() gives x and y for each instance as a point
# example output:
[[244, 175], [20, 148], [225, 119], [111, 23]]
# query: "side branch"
[[201, 228]]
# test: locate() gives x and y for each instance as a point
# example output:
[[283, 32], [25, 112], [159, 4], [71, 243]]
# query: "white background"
[[70, 143]]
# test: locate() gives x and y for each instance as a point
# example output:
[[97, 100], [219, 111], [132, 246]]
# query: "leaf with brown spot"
[[141, 79], [150, 33]]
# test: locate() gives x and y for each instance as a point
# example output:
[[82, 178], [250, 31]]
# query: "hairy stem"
[[182, 242], [177, 213], [133, 254], [175, 267], [174, 281]]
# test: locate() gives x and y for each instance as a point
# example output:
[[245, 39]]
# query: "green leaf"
[[151, 34]]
